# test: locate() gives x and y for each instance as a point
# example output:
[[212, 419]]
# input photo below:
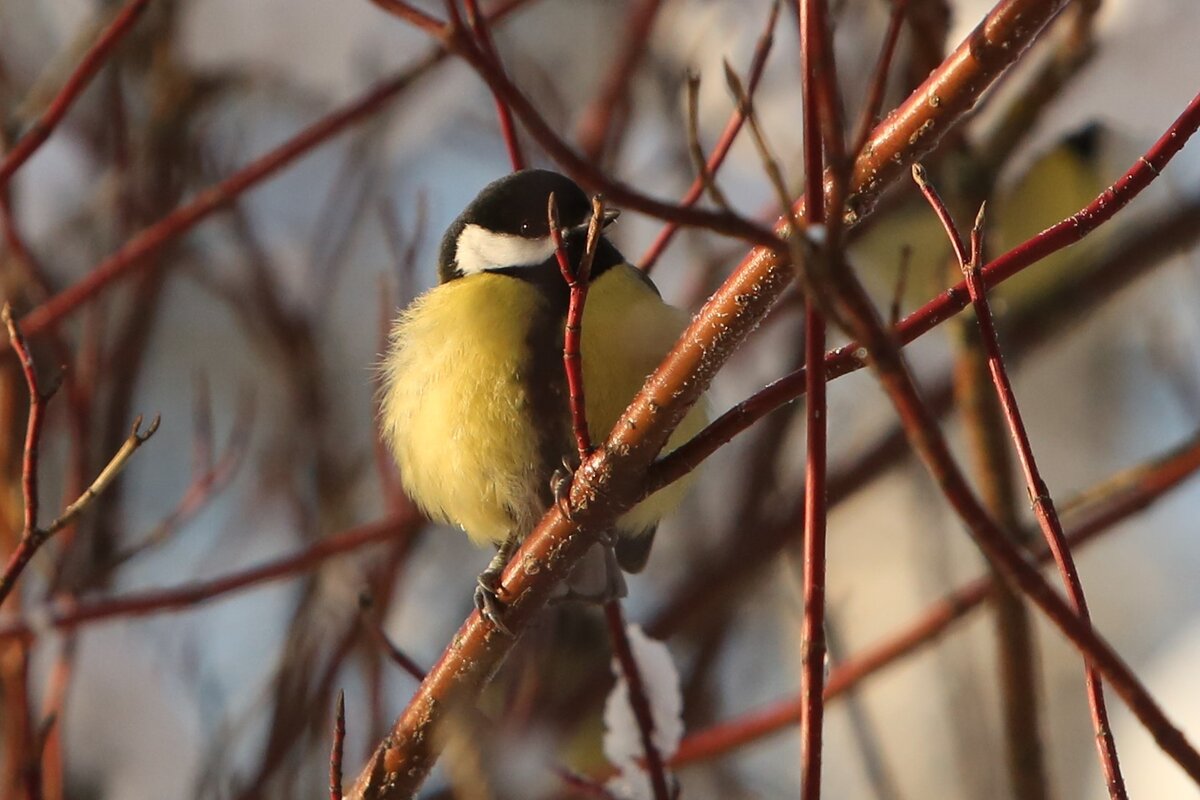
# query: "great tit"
[[474, 401]]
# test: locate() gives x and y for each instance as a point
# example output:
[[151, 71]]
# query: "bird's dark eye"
[[526, 228]]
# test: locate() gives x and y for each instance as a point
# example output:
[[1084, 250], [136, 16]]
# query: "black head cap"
[[516, 205]]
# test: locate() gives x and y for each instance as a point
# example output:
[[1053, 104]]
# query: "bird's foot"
[[560, 487], [488, 587], [487, 600]]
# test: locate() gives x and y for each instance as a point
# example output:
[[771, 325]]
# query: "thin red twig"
[[394, 653], [595, 123], [637, 697], [33, 427], [577, 282], [80, 77], [1043, 504], [815, 61], [155, 601], [336, 751], [483, 34], [878, 84]]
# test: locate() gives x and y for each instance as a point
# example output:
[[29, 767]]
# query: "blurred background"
[[256, 333]]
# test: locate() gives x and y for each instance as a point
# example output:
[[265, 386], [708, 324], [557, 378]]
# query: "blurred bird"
[[1056, 184], [474, 400]]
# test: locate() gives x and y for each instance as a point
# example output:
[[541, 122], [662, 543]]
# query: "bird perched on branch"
[[474, 399]]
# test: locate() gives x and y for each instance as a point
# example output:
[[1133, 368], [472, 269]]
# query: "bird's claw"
[[487, 600], [560, 487]]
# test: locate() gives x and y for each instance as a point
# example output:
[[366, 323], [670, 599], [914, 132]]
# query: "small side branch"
[[335, 753], [33, 537]]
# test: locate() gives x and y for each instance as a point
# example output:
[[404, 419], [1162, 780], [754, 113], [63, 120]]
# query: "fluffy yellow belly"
[[458, 411]]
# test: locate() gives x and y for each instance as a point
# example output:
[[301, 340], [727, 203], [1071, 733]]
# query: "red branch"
[[79, 79], [577, 282], [30, 540], [927, 440], [595, 123], [874, 101]]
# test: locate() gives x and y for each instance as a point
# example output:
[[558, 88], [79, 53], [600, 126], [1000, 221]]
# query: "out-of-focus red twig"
[[736, 119], [508, 131], [878, 84], [850, 357], [596, 121], [1043, 504], [78, 80], [208, 480], [394, 653], [576, 279], [638, 700], [336, 751], [1118, 499], [156, 601]]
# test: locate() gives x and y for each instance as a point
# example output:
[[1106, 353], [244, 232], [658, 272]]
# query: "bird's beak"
[[609, 217]]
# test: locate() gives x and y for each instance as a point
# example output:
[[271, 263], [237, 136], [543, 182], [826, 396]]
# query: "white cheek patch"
[[480, 249]]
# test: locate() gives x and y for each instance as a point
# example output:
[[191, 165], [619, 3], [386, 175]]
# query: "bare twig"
[[695, 149], [33, 537], [508, 131], [816, 63], [1043, 505], [157, 601], [594, 131], [922, 430], [878, 84], [335, 753]]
